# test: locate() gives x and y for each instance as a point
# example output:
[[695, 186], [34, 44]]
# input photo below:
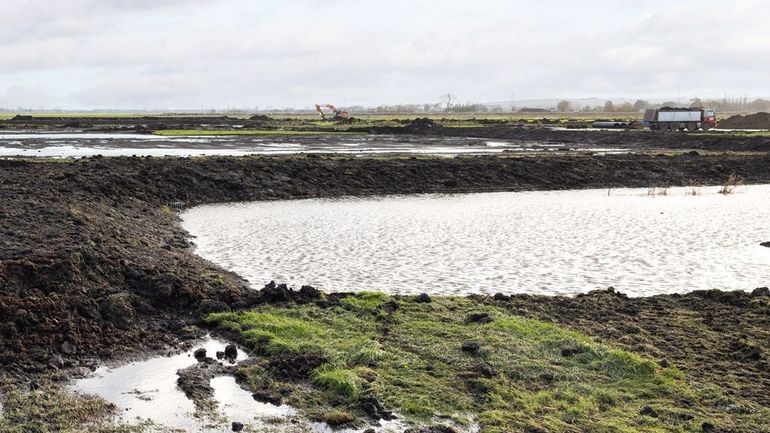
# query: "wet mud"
[[94, 265]]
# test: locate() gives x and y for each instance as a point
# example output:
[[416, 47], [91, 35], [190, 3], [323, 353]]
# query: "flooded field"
[[147, 390], [79, 145], [146, 393], [554, 243]]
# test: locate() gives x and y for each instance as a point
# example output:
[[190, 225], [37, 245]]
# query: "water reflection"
[[556, 243]]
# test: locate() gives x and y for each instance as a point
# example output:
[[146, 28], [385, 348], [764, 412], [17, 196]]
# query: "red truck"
[[680, 119]]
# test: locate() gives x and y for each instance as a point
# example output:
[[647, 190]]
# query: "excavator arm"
[[320, 111], [337, 113]]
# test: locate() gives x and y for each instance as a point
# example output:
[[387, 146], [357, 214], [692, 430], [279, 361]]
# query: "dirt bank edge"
[[94, 265]]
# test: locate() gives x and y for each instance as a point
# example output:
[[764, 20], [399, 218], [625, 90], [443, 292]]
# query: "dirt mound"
[[750, 121], [422, 126]]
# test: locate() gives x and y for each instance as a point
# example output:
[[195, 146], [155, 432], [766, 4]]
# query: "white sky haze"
[[144, 54]]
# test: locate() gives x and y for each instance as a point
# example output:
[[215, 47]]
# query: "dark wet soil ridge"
[[748, 121], [628, 139], [632, 139], [129, 124], [94, 265]]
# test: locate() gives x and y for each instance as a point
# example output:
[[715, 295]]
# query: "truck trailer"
[[680, 119]]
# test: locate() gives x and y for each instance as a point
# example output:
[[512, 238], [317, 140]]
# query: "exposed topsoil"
[[94, 265], [481, 128], [134, 124], [624, 139], [749, 121]]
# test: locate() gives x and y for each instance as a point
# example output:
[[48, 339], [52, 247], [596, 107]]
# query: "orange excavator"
[[338, 114]]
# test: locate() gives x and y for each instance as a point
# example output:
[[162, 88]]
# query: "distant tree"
[[627, 107], [563, 106], [586, 109], [468, 107], [640, 105], [669, 104], [447, 100], [696, 102], [609, 107]]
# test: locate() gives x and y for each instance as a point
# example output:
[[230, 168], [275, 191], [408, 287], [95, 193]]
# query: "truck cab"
[[709, 119]]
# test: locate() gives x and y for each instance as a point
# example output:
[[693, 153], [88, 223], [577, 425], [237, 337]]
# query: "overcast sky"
[[134, 54]]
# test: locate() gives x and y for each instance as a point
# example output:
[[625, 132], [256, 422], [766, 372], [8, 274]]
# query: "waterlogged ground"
[[78, 145], [441, 360], [555, 243], [147, 395], [147, 390]]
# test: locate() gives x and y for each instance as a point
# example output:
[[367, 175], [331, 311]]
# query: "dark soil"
[[715, 337], [628, 139], [94, 265], [632, 139], [749, 121], [128, 124]]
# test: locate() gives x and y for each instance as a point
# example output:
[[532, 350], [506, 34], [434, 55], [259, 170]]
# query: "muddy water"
[[78, 145], [147, 390], [555, 243]]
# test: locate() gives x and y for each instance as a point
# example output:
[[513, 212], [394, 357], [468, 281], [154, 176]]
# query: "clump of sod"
[[526, 375]]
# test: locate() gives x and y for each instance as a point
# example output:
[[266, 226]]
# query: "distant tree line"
[[724, 105], [447, 104]]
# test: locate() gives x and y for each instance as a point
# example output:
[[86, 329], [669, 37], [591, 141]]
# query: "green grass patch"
[[275, 132], [527, 375], [341, 381]]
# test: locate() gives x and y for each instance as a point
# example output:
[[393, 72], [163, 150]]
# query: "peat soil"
[[625, 139], [94, 265], [630, 139], [749, 121], [719, 338], [127, 124]]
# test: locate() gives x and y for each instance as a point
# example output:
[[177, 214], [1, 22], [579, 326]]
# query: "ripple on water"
[[553, 242]]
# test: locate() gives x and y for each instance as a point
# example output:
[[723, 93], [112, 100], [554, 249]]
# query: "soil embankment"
[[749, 121], [625, 139], [94, 265]]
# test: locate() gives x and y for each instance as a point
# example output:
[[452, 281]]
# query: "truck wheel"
[[671, 127], [706, 126], [692, 127]]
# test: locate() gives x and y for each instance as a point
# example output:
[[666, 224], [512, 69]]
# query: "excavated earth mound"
[[750, 121]]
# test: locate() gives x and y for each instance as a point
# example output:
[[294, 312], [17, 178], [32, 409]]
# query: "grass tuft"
[[341, 381], [731, 184]]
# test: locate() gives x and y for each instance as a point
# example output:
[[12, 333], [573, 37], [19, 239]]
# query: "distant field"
[[187, 132], [4, 116], [378, 117]]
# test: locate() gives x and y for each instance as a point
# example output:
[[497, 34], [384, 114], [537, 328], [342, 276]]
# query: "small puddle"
[[147, 390], [394, 426]]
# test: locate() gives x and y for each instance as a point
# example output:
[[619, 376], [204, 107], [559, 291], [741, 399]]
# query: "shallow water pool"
[[548, 242]]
